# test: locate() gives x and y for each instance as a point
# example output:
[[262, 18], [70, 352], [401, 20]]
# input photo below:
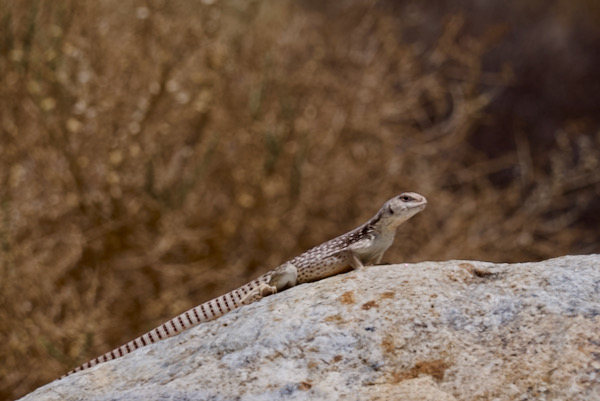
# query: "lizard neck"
[[382, 236], [382, 226], [386, 225], [384, 230]]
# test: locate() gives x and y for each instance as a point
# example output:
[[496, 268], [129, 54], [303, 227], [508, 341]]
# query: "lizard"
[[363, 246]]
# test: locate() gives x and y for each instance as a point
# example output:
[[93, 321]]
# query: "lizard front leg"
[[285, 276], [354, 260]]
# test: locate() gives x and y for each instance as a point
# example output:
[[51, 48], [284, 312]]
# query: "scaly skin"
[[360, 247]]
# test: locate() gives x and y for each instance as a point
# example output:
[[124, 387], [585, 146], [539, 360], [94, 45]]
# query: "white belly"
[[372, 254]]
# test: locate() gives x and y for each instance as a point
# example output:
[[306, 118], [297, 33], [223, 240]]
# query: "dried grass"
[[156, 155]]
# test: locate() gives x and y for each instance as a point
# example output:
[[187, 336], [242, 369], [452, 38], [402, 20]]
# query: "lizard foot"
[[258, 293], [283, 277]]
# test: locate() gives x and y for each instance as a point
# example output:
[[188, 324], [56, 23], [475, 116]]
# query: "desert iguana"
[[362, 246]]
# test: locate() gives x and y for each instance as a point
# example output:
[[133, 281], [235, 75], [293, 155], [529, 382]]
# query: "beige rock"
[[421, 388], [451, 330]]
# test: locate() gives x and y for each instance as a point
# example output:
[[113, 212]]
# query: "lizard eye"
[[405, 198]]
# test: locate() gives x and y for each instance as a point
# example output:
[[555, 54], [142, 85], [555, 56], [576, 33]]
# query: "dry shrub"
[[157, 154]]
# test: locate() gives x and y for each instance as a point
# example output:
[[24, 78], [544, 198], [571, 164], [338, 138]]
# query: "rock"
[[451, 330]]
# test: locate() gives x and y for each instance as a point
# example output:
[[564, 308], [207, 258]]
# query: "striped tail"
[[202, 313]]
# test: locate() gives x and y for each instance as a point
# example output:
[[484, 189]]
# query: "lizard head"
[[402, 207]]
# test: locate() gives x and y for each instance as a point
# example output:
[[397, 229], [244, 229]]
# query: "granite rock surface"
[[455, 330]]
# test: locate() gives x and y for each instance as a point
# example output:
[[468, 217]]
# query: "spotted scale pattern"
[[330, 258]]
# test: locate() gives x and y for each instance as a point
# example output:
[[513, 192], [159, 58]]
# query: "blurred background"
[[155, 154]]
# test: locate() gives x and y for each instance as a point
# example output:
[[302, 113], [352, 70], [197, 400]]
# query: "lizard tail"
[[205, 312]]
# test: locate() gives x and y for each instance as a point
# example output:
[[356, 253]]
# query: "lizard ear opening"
[[390, 209]]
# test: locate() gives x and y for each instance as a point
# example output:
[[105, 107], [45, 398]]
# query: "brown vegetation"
[[155, 154]]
